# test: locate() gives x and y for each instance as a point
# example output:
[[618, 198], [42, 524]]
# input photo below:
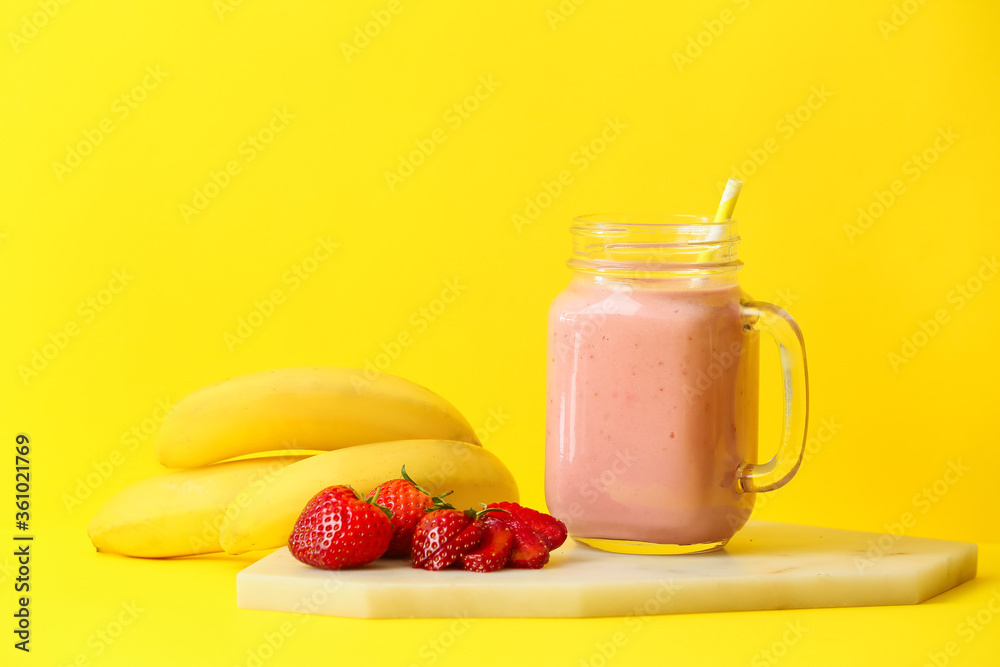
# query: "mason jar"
[[652, 385]]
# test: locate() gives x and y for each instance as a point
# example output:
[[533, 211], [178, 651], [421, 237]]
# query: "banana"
[[321, 408], [178, 513], [263, 517]]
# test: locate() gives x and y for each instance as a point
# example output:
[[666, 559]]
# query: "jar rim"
[[654, 244], [649, 220]]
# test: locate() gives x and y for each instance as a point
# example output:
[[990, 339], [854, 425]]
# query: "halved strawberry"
[[494, 548], [530, 551], [550, 529], [443, 536]]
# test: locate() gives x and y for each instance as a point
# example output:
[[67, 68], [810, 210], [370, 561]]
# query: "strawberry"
[[529, 551], [443, 536], [409, 503], [550, 529], [338, 529], [494, 549]]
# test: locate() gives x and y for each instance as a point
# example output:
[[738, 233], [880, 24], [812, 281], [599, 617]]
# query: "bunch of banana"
[[366, 429], [179, 513], [264, 519]]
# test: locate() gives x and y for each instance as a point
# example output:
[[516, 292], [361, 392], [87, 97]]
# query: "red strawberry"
[[494, 549], [550, 529], [443, 536], [530, 551], [338, 528], [409, 503]]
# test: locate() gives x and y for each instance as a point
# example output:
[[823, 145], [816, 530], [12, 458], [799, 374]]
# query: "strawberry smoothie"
[[652, 407]]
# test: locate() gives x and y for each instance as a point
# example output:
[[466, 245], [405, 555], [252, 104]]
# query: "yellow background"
[[700, 91]]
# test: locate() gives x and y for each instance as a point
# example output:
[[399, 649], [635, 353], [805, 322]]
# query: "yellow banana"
[[321, 408], [263, 517], [178, 513]]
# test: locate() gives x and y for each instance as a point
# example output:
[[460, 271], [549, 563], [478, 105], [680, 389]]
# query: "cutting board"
[[766, 566]]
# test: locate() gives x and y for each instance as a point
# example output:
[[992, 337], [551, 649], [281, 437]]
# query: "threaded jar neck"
[[654, 246]]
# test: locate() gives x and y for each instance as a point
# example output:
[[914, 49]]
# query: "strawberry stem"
[[483, 512], [438, 501], [374, 501], [486, 510], [473, 514]]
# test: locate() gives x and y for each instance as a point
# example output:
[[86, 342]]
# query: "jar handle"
[[766, 317]]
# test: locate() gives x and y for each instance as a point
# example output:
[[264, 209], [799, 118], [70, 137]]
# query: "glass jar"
[[651, 422]]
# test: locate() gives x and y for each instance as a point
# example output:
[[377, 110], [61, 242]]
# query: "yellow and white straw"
[[729, 197]]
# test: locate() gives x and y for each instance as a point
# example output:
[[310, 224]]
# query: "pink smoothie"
[[652, 405]]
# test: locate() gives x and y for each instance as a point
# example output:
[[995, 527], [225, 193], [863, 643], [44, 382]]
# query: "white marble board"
[[766, 566]]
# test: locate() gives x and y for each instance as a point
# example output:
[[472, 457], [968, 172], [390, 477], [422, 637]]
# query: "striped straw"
[[729, 197]]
